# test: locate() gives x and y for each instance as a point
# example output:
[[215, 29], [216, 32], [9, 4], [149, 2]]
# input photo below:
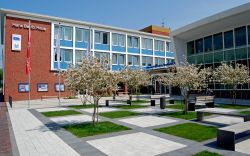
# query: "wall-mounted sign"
[[26, 26], [23, 87], [42, 87], [16, 42], [61, 87]]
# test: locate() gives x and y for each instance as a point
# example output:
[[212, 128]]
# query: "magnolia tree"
[[187, 77], [134, 79], [231, 76], [93, 77]]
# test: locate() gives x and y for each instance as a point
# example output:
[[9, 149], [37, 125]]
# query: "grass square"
[[82, 106], [118, 114], [175, 106], [191, 131], [188, 116], [206, 153], [130, 107], [230, 106], [60, 113], [139, 101], [88, 129], [245, 112]]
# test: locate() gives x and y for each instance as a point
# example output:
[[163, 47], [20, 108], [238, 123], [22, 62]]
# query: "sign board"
[[61, 87], [16, 42], [23, 87], [42, 87]]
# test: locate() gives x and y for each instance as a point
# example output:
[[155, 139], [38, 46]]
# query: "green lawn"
[[88, 129], [231, 106], [139, 101], [188, 116], [206, 153], [60, 113], [191, 131], [175, 106], [118, 114], [130, 107], [245, 112], [82, 106]]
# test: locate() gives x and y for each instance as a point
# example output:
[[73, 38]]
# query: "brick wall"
[[15, 61]]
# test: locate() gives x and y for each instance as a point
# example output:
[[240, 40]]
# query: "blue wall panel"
[[117, 67], [81, 44], [134, 50], [63, 65], [66, 43], [118, 48], [159, 53], [147, 52], [102, 46], [170, 54]]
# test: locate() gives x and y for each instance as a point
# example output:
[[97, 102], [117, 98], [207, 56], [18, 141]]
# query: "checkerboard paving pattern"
[[153, 110], [101, 109], [52, 109], [72, 119], [225, 120]]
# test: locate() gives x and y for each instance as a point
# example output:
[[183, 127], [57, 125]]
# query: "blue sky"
[[132, 14]]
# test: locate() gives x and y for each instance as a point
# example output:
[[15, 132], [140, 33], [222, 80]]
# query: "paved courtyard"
[[35, 134]]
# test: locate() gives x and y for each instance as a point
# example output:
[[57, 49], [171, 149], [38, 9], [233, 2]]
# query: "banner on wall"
[[16, 42]]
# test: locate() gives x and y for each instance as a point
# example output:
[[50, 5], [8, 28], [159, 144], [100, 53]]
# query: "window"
[[129, 59], [86, 35], [136, 42], [156, 61], [144, 60], [190, 48], [121, 59], [217, 41], [114, 58], [105, 38], [228, 39], [67, 33], [79, 35], [121, 40], [150, 44], [55, 55], [97, 37], [136, 60], [240, 36], [167, 46], [68, 55], [208, 45], [114, 39], [129, 41], [79, 56], [161, 46], [102, 57], [156, 45], [162, 61], [149, 61], [144, 43], [248, 30], [199, 45]]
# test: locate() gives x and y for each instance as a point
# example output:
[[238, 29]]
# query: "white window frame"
[[81, 30], [64, 30]]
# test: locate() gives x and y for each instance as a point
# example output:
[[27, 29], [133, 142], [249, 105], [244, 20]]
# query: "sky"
[[131, 14]]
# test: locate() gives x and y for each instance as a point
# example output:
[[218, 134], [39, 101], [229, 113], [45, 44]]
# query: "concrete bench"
[[108, 101], [47, 97], [226, 135], [207, 101], [200, 114]]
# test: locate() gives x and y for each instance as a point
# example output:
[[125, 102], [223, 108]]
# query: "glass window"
[[144, 60], [121, 59], [121, 40], [217, 41], [105, 38], [97, 37], [248, 30], [114, 58], [68, 55], [190, 48], [240, 36], [86, 35], [56, 29], [129, 59], [156, 61], [228, 39], [136, 42], [199, 45], [55, 55], [136, 60], [67, 33], [161, 45], [79, 35], [149, 61], [162, 61], [79, 56], [156, 45], [129, 41], [150, 44], [144, 43], [208, 44], [167, 46], [114, 39]]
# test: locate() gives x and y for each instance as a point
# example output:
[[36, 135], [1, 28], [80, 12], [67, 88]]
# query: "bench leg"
[[226, 140], [107, 103], [247, 118], [200, 116]]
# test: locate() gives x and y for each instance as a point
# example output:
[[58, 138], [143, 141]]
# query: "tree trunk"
[[95, 113]]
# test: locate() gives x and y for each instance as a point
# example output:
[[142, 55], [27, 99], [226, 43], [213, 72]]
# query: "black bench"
[[226, 135], [127, 101]]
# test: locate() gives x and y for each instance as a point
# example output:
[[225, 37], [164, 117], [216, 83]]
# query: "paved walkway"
[[5, 143]]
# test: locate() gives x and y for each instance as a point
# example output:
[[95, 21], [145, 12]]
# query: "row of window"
[[83, 35], [225, 40], [67, 56]]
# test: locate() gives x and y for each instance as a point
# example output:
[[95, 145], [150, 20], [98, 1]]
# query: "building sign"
[[61, 87], [42, 87], [16, 42], [26, 26], [23, 87]]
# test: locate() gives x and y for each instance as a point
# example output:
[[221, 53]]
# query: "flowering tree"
[[187, 77], [231, 76], [93, 77]]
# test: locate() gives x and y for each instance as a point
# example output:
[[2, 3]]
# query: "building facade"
[[120, 46], [224, 37]]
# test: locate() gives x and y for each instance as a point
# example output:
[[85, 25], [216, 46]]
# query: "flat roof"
[[227, 19], [66, 20]]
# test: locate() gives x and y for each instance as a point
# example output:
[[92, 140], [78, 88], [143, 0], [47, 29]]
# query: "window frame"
[[115, 54], [64, 32], [82, 31]]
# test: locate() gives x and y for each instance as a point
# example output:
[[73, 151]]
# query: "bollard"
[[152, 102], [162, 102], [107, 103], [10, 101], [129, 102]]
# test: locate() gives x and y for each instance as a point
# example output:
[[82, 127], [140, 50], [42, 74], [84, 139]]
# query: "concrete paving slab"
[[225, 120], [243, 146], [220, 110], [52, 109], [101, 109], [72, 119], [147, 121], [135, 144], [153, 110]]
